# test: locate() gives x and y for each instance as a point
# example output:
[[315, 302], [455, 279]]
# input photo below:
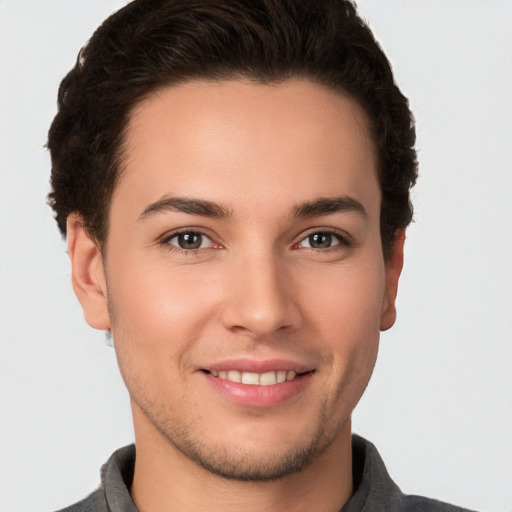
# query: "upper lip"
[[258, 366]]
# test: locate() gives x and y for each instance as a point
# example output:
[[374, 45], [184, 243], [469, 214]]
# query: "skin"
[[257, 288]]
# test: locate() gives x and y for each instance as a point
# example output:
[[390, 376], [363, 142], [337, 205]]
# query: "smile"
[[255, 379], [252, 383]]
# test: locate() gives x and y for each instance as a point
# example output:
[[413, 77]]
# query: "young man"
[[233, 180]]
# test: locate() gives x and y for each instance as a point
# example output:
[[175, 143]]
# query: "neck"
[[165, 479]]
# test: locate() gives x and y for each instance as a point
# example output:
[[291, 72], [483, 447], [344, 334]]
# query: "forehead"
[[223, 140]]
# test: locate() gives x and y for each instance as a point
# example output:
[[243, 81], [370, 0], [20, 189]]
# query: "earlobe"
[[87, 274], [393, 271]]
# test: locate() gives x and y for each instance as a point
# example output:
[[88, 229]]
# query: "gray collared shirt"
[[374, 489]]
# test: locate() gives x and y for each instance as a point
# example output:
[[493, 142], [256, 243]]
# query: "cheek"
[[346, 315], [157, 316], [161, 301], [348, 300]]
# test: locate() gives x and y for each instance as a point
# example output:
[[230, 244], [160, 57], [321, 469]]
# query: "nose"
[[260, 297]]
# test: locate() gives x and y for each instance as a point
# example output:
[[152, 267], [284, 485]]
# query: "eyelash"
[[165, 241], [344, 241]]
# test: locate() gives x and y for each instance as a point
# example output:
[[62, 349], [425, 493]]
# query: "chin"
[[248, 454], [250, 465]]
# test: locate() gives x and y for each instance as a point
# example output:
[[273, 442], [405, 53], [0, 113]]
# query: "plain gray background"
[[439, 407]]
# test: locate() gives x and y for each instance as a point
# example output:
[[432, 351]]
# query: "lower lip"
[[256, 395]]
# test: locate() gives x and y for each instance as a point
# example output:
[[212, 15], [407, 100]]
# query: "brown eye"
[[189, 240]]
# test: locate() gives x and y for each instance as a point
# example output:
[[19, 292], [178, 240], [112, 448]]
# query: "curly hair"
[[151, 44]]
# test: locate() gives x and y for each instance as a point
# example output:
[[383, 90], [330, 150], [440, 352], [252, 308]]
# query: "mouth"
[[257, 383], [268, 378]]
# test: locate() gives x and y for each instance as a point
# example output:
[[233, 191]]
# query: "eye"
[[321, 240], [189, 240]]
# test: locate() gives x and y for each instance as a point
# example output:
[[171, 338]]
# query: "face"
[[244, 273]]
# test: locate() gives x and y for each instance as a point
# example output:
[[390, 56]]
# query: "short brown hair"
[[150, 44]]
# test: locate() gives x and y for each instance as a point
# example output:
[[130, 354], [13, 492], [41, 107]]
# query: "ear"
[[87, 274], [393, 269]]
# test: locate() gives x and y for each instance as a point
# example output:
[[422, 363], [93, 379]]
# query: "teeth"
[[234, 376], [250, 378], [254, 379], [269, 378]]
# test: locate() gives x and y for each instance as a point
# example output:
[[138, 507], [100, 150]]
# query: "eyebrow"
[[205, 208], [186, 205], [328, 205]]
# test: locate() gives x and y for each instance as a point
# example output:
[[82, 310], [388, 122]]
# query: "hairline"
[[122, 153]]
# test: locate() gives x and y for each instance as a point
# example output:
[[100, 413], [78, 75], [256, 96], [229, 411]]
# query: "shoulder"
[[421, 504], [376, 491], [95, 502], [116, 480]]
